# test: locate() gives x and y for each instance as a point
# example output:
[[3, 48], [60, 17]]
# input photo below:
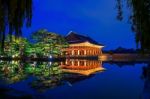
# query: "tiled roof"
[[73, 37]]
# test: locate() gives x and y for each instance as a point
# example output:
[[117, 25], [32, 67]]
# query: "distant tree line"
[[123, 50]]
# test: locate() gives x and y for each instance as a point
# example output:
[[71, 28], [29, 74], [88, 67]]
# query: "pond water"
[[75, 79]]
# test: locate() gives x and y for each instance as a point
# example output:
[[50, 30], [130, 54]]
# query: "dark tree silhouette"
[[13, 15], [120, 12], [140, 20]]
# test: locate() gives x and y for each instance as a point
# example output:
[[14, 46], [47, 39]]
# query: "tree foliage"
[[140, 20], [120, 12], [13, 15], [44, 44], [16, 47], [48, 42], [16, 71]]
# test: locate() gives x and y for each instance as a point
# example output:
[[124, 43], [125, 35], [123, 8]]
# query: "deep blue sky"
[[95, 18]]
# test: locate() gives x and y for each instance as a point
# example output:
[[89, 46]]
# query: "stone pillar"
[[87, 52], [85, 63], [90, 52], [72, 52], [66, 62], [78, 63], [78, 52], [84, 52], [94, 52], [72, 63]]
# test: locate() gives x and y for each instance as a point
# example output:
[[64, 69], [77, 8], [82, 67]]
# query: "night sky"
[[94, 18]]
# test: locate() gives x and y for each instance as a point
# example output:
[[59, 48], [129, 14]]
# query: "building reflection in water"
[[84, 67], [47, 75]]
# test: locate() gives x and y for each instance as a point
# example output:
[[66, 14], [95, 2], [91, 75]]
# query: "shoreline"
[[125, 57], [104, 57]]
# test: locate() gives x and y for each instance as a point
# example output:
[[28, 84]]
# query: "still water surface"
[[75, 79]]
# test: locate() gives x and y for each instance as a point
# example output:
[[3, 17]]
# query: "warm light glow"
[[84, 67]]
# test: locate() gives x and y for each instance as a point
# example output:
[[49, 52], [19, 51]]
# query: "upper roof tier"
[[73, 37]]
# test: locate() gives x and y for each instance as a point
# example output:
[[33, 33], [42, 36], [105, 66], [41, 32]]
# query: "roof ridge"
[[70, 33], [76, 34], [75, 37]]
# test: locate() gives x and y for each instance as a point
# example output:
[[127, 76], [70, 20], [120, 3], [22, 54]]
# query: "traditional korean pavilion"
[[80, 45]]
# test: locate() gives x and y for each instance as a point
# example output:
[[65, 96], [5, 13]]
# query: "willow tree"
[[13, 15], [140, 21]]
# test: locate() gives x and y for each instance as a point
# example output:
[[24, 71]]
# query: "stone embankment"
[[124, 57]]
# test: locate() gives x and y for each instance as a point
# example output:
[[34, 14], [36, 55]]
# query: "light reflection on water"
[[76, 79]]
